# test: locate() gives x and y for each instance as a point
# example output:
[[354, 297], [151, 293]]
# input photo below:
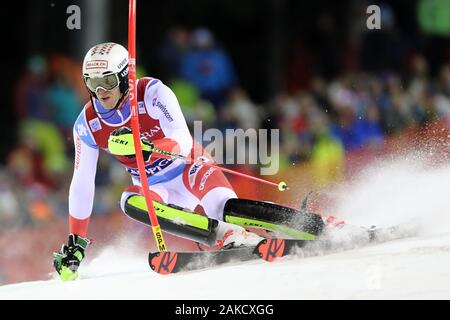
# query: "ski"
[[270, 249], [169, 262], [173, 262]]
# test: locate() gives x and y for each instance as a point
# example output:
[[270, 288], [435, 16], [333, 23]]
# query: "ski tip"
[[163, 262], [270, 249]]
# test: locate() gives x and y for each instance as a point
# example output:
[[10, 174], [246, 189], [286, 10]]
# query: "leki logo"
[[119, 141]]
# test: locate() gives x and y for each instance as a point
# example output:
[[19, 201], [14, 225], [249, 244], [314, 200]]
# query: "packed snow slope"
[[388, 193]]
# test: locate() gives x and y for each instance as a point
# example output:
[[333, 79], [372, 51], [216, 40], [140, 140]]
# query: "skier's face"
[[108, 98]]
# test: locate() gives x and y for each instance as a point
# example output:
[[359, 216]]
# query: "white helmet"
[[106, 66]]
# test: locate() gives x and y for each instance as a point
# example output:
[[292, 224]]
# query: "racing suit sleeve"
[[82, 187], [162, 104]]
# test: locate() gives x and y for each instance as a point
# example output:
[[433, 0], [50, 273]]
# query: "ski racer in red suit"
[[162, 124]]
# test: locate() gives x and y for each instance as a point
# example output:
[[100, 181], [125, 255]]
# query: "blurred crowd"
[[320, 121]]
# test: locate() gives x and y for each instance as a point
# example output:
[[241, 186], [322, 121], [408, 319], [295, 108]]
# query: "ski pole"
[[282, 186], [135, 125]]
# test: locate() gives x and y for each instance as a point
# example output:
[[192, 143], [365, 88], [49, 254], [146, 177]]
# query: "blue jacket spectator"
[[209, 68]]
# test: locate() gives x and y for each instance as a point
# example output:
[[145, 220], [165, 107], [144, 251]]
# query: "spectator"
[[366, 131], [194, 108], [327, 155], [44, 141], [240, 110], [399, 113], [209, 68], [171, 52], [65, 103], [10, 211], [31, 91], [443, 96]]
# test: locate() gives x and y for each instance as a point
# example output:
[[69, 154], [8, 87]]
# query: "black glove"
[[67, 261], [147, 148], [120, 131]]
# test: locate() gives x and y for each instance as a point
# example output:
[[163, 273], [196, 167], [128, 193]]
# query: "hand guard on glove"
[[121, 143], [68, 259]]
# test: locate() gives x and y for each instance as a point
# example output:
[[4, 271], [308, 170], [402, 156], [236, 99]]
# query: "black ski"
[[174, 262], [268, 249], [271, 249]]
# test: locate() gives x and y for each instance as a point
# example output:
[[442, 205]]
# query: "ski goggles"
[[108, 82]]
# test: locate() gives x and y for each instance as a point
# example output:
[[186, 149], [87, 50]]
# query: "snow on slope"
[[403, 269], [389, 193]]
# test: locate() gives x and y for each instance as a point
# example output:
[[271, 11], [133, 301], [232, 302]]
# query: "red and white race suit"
[[171, 181]]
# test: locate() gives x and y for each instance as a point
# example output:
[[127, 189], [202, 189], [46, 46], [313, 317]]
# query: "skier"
[[104, 123]]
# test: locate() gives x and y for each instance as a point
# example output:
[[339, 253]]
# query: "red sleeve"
[[166, 144], [78, 226]]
